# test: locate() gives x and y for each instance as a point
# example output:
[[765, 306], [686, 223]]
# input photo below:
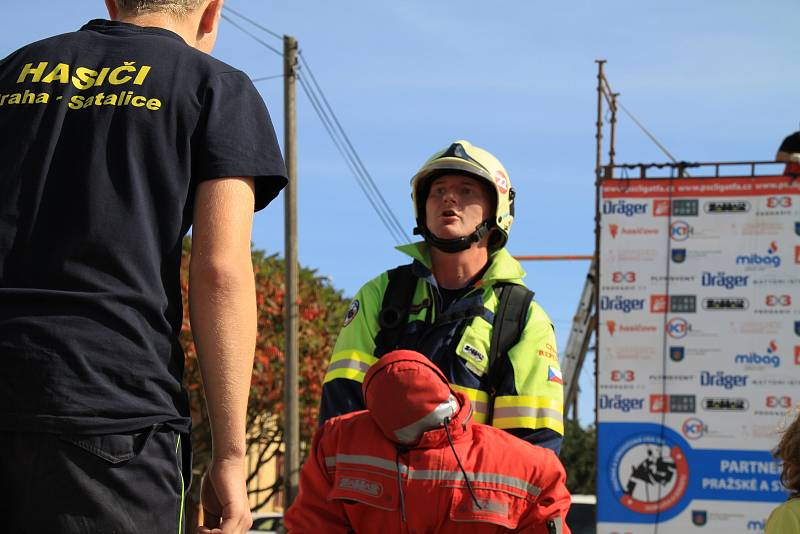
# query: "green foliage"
[[578, 453]]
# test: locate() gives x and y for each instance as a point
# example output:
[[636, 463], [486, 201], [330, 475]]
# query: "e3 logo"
[[623, 376]]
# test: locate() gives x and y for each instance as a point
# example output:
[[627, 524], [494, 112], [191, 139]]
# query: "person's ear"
[[210, 17], [113, 10]]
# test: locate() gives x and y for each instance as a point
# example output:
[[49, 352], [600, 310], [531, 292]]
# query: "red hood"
[[407, 395]]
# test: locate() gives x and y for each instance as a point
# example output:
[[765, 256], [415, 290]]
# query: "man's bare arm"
[[223, 315]]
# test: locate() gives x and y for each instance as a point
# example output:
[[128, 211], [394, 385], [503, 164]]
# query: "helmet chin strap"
[[451, 246]]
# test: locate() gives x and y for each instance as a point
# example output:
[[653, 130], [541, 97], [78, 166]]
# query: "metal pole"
[[291, 429], [597, 229], [613, 141]]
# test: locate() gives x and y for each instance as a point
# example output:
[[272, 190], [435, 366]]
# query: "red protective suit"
[[394, 469]]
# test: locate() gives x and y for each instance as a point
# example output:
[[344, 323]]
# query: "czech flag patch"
[[554, 375]]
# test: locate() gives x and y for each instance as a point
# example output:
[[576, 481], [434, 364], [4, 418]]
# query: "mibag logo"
[[770, 259], [622, 207], [680, 231], [622, 304], [720, 379], [620, 277], [618, 402], [721, 279], [765, 360]]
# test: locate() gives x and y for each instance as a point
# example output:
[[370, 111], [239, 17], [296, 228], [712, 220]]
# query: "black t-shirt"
[[104, 135]]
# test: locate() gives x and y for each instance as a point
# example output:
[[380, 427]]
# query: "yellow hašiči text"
[[84, 77]]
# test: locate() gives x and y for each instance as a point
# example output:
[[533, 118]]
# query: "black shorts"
[[110, 484]]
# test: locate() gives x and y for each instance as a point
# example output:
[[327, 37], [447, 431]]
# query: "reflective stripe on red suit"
[[362, 476]]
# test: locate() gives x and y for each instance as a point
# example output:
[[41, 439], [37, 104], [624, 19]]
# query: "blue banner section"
[[649, 473]]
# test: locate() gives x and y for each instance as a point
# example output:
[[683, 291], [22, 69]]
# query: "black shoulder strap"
[[395, 308], [509, 322]]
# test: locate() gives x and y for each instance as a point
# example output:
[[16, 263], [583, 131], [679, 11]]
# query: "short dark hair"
[[174, 7]]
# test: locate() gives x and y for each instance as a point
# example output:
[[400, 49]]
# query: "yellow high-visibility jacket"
[[529, 402]]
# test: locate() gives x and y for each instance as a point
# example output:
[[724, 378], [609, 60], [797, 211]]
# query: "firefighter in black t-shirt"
[[116, 139]]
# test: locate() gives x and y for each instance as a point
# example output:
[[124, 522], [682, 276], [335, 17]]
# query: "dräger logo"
[[771, 258], [621, 207], [728, 281], [720, 379], [618, 402], [619, 303]]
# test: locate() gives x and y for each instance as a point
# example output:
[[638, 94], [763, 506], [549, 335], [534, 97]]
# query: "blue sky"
[[714, 81]]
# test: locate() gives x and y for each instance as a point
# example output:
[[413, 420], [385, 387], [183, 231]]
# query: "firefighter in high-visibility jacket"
[[464, 207], [414, 461]]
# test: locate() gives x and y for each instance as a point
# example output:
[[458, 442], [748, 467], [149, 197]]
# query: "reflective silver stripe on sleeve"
[[411, 433], [480, 407], [491, 478], [360, 459], [526, 411], [348, 364]]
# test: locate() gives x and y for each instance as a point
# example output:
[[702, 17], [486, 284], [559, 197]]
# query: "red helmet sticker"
[[501, 180]]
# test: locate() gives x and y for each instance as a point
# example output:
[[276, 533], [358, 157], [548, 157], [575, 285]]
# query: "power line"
[[254, 23], [647, 132], [348, 160], [377, 193], [263, 78], [254, 37], [335, 130]]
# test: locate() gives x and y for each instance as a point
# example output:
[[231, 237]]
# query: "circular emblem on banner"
[[352, 311], [680, 231], [501, 180], [650, 475]]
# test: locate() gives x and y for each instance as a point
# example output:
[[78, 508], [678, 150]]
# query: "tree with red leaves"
[[321, 309]]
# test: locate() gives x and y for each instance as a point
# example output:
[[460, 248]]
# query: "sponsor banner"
[[648, 473], [779, 186], [699, 350]]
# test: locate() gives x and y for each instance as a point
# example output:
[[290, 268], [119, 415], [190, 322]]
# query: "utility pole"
[[291, 429]]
